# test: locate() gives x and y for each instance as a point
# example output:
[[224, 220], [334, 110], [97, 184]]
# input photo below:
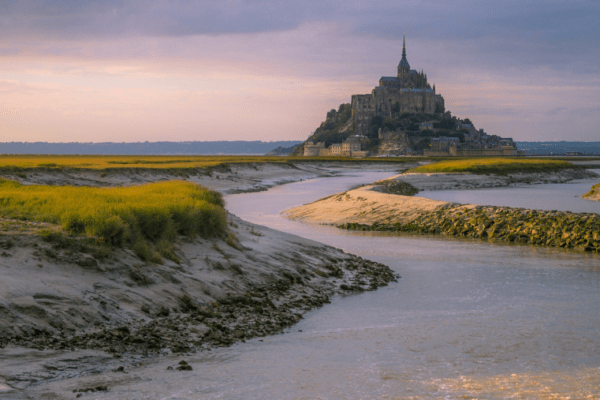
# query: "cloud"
[[75, 20], [560, 34], [500, 63]]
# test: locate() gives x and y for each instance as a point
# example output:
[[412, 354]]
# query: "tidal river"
[[468, 319]]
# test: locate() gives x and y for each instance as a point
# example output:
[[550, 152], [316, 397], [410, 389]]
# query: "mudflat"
[[70, 306], [369, 208]]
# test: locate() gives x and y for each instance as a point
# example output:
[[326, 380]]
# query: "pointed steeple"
[[404, 66]]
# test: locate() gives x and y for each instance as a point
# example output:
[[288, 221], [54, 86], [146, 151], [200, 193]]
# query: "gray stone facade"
[[406, 92]]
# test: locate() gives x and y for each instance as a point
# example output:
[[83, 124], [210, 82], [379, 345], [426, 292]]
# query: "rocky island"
[[403, 115]]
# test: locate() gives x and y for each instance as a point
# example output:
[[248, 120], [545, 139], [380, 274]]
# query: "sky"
[[181, 70]]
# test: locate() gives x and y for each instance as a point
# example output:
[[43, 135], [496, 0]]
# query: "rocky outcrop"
[[546, 228]]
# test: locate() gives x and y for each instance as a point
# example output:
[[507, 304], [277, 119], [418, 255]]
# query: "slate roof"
[[404, 62]]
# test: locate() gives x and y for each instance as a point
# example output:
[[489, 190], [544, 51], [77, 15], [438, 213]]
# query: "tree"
[[374, 126]]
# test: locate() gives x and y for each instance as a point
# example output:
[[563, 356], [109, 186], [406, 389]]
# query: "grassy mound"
[[594, 193], [137, 216], [497, 166]]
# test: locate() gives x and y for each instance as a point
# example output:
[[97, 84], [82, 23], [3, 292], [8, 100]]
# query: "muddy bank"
[[227, 179], [368, 209], [364, 205], [450, 181], [70, 306], [62, 297]]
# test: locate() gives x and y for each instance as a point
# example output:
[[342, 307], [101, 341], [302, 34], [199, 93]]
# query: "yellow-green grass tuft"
[[134, 216], [498, 166], [24, 163], [594, 192]]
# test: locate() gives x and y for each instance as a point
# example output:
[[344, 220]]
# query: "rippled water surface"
[[468, 319]]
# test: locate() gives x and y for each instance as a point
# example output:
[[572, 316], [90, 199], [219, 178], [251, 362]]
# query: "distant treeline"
[[146, 148], [559, 148]]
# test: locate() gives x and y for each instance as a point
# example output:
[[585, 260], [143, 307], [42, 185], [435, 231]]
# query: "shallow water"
[[562, 197], [468, 319]]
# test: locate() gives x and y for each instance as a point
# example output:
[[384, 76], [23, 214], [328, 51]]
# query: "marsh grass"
[[180, 165], [593, 191], [147, 218], [496, 166]]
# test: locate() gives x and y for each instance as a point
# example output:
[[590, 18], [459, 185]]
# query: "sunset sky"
[[180, 70]]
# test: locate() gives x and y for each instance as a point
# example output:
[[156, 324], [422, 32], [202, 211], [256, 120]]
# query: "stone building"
[[443, 143], [406, 92], [335, 149], [350, 146], [313, 150], [476, 144]]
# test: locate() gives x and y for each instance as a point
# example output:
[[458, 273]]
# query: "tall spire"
[[403, 67]]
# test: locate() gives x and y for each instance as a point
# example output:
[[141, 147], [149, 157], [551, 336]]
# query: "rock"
[[136, 339]]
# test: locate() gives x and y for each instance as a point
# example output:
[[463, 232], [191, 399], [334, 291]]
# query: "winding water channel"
[[468, 319]]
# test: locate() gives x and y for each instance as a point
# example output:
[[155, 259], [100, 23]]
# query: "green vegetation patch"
[[594, 192], [391, 186], [21, 164], [497, 166], [147, 218]]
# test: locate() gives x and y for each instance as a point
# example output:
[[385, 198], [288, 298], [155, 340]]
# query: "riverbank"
[[58, 298], [367, 209], [458, 181], [71, 306], [227, 179]]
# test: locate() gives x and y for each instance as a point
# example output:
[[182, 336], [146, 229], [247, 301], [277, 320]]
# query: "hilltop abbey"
[[406, 92], [401, 116]]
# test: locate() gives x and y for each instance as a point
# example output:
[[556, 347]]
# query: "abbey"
[[406, 92]]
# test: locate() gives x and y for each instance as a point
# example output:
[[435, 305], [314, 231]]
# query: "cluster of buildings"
[[476, 143], [351, 147], [408, 91]]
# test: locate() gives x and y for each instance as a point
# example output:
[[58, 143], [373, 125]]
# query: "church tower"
[[403, 67]]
